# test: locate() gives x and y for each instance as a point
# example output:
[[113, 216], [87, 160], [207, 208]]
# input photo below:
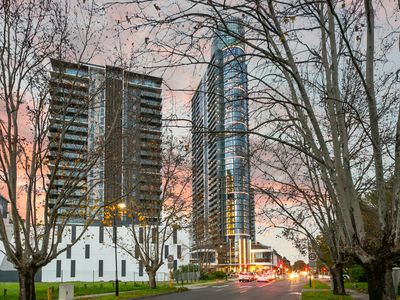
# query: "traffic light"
[[306, 268]]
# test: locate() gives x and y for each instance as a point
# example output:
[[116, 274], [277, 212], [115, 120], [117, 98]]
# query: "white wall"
[[87, 269]]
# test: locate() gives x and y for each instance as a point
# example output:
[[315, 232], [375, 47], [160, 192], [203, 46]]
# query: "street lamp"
[[121, 206]]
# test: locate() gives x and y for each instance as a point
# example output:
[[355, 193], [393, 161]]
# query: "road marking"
[[243, 291], [198, 287], [220, 286], [245, 286]]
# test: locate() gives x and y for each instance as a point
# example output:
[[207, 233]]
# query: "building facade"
[[104, 138], [223, 207], [92, 257]]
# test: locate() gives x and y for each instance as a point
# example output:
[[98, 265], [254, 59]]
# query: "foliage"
[[357, 273], [212, 275], [299, 266]]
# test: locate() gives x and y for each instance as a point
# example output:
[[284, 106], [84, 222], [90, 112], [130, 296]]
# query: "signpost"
[[170, 267], [312, 263]]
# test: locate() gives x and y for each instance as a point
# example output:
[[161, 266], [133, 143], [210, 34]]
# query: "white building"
[[92, 258]]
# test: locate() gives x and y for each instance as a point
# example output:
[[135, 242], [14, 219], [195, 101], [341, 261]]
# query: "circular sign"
[[170, 258], [312, 256]]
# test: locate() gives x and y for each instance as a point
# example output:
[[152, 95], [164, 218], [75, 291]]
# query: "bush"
[[206, 276], [357, 273], [219, 274]]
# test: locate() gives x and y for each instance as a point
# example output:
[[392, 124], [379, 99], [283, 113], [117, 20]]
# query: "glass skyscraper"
[[223, 208]]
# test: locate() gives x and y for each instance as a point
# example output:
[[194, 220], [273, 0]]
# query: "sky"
[[179, 84]]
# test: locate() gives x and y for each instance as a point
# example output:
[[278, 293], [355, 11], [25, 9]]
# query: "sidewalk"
[[357, 295]]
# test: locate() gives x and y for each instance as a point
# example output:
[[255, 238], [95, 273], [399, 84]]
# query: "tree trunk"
[[380, 281], [336, 271], [152, 279], [27, 284]]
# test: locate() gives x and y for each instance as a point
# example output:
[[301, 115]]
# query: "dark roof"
[[258, 245]]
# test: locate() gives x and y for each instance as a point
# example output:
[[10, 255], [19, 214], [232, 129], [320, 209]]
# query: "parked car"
[[244, 276]]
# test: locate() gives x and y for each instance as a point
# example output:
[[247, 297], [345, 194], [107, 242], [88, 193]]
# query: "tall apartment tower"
[[223, 206], [111, 117]]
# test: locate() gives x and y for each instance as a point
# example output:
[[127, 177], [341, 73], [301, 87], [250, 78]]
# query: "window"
[[179, 251], [153, 235], [69, 251], [73, 264], [73, 235], [136, 251], [123, 268], [87, 251], [100, 268], [101, 234], [166, 251], [140, 268], [59, 232], [58, 269], [175, 236], [141, 235]]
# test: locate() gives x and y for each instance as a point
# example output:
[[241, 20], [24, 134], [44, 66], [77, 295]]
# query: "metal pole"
[[115, 253], [309, 274]]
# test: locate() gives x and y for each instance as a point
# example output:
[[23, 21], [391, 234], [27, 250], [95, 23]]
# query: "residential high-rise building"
[[104, 138], [223, 207]]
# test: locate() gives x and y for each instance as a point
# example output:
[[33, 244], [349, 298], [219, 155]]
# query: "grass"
[[88, 288], [141, 293], [359, 286], [323, 295], [316, 284]]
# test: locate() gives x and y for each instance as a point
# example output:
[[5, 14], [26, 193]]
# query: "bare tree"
[[293, 198], [33, 35], [301, 56], [154, 223]]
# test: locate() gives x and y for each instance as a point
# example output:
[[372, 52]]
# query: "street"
[[234, 290]]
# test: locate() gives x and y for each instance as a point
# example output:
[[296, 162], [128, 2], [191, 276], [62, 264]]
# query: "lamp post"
[[121, 206]]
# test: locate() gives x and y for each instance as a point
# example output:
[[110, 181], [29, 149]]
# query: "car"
[[253, 276], [294, 275], [263, 278], [245, 277]]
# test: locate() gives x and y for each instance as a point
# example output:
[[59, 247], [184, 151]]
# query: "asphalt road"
[[276, 290]]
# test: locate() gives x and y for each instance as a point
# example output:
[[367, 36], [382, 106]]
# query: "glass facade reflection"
[[220, 117]]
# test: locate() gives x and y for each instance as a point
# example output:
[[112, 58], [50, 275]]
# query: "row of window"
[[100, 269], [141, 235]]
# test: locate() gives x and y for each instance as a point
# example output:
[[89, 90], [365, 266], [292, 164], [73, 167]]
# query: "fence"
[[186, 276]]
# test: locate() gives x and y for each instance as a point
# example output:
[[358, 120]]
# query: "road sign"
[[170, 261], [313, 264], [312, 256]]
